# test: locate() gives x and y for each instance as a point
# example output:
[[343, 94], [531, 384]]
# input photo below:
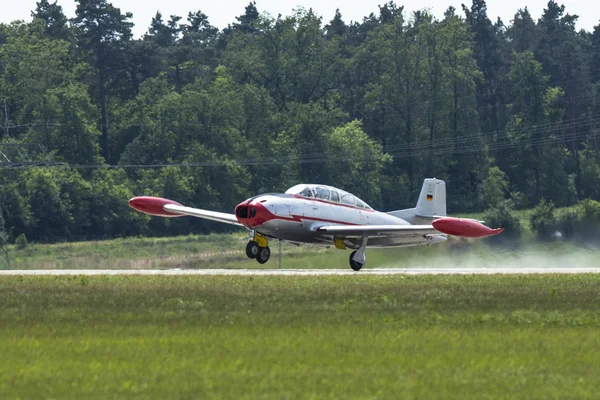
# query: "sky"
[[222, 13]]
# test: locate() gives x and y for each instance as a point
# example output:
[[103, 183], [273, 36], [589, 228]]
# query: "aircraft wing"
[[206, 214], [378, 230], [461, 227], [168, 208]]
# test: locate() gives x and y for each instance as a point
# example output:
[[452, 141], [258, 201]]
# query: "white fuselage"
[[296, 219]]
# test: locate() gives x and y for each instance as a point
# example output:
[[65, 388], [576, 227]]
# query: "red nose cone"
[[252, 214], [242, 212], [464, 227], [153, 206]]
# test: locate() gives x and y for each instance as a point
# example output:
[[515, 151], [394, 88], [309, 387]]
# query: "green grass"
[[227, 251], [132, 252], [357, 336]]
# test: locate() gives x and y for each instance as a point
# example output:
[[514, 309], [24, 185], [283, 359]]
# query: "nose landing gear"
[[358, 257], [355, 265], [263, 255], [258, 248], [252, 249]]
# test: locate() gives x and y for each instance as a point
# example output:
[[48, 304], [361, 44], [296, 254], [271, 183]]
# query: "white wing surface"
[[378, 230], [206, 214]]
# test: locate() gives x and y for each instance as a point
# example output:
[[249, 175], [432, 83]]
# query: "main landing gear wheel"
[[263, 255], [353, 264], [252, 249]]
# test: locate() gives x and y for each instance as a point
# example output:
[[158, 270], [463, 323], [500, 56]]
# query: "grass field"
[[227, 251], [312, 337]]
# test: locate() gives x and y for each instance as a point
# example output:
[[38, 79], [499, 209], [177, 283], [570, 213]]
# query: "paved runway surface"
[[310, 272]]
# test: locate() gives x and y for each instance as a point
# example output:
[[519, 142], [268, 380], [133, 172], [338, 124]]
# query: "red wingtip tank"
[[464, 227], [153, 206]]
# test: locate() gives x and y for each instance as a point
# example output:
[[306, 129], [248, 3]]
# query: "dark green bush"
[[543, 220], [579, 224], [501, 216], [568, 223], [589, 220], [21, 241]]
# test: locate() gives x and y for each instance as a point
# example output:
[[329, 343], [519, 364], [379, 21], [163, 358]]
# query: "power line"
[[438, 147], [391, 112], [394, 148], [313, 160]]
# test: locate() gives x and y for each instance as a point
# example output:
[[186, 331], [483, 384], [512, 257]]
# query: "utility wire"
[[504, 139]]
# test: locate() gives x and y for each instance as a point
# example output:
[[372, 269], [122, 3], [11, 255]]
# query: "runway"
[[305, 272]]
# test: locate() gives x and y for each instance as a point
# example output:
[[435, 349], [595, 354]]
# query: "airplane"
[[325, 215]]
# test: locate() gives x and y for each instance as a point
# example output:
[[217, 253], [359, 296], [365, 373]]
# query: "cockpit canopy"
[[328, 193]]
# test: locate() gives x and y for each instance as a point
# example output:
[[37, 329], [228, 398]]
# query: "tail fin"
[[432, 199], [431, 203]]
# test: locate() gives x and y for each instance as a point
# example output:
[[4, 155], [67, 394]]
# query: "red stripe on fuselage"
[[263, 219], [333, 203], [324, 220]]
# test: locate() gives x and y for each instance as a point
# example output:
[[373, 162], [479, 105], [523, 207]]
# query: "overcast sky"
[[221, 13]]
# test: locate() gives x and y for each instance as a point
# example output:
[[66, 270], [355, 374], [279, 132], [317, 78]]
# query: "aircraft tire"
[[353, 264], [252, 249], [264, 253]]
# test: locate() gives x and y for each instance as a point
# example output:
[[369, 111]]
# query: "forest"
[[503, 111]]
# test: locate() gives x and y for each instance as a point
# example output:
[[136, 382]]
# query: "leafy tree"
[[33, 64], [523, 32], [590, 173], [17, 213], [246, 21], [269, 102], [54, 19], [163, 35], [109, 214], [102, 32], [564, 55], [288, 56], [51, 216], [595, 65], [75, 138], [171, 183], [502, 216], [41, 84], [543, 220], [495, 187], [488, 53], [534, 108], [354, 155], [181, 50], [394, 62], [336, 27], [21, 241]]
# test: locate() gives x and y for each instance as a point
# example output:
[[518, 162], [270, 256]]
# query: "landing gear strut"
[[358, 257], [258, 248]]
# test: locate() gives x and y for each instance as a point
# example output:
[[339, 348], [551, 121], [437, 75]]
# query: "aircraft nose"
[[252, 213], [243, 212]]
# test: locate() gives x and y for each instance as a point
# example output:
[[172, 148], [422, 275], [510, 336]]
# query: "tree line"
[[501, 110]]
